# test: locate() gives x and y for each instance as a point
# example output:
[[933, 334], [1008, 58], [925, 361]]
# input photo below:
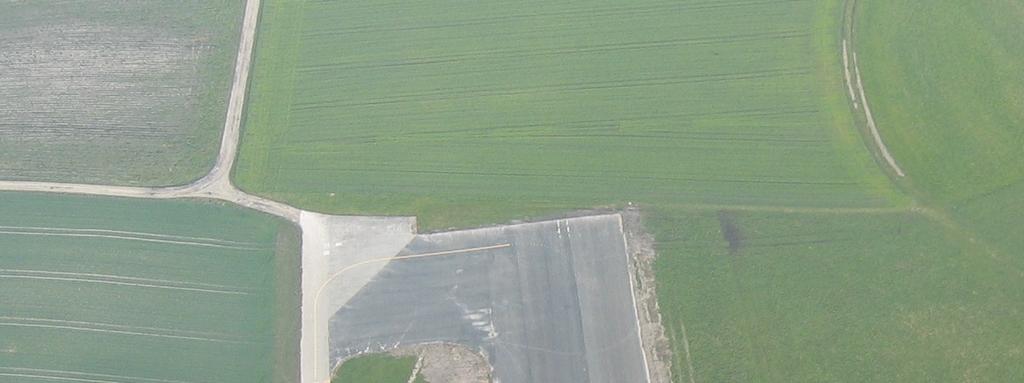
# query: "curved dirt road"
[[854, 83]]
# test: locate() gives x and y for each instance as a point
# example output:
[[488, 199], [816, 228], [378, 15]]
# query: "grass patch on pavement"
[[378, 368]]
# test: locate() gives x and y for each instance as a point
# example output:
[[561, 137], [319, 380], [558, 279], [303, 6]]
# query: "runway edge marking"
[[632, 295]]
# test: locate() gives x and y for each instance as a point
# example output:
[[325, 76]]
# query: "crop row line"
[[589, 124], [527, 53], [577, 175], [452, 94], [575, 13]]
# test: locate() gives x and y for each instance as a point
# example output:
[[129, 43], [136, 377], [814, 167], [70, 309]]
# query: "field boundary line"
[[797, 209], [969, 237]]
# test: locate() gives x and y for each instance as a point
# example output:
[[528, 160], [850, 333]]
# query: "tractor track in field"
[[70, 376], [855, 86]]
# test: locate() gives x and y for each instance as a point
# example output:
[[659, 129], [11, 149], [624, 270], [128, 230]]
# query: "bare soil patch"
[[448, 362]]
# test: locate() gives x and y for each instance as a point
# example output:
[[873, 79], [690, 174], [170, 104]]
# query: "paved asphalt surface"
[[555, 306]]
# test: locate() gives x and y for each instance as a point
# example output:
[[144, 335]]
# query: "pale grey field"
[[128, 93]]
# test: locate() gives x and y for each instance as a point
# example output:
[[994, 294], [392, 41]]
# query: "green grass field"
[[100, 289], [944, 78], [377, 368], [802, 297], [783, 248], [477, 113], [114, 92]]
